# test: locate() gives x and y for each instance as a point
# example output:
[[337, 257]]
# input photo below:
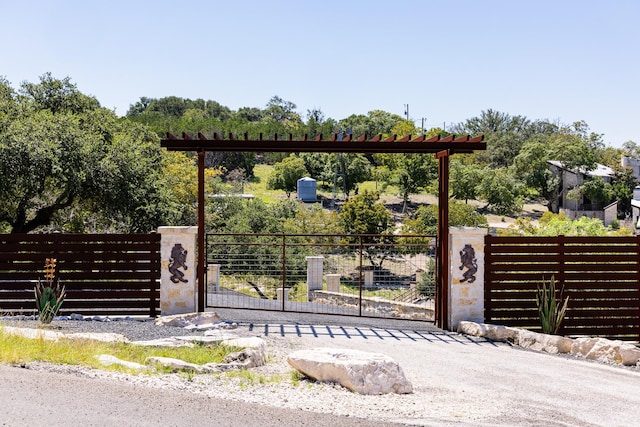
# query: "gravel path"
[[457, 380]]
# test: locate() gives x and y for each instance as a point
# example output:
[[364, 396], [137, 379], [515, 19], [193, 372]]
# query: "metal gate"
[[353, 275]]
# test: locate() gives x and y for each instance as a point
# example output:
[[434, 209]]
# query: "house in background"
[[574, 209]]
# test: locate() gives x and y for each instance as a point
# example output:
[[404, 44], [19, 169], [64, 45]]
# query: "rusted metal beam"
[[392, 144], [442, 257], [201, 232]]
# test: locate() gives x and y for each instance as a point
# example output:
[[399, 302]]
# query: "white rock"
[[55, 335], [252, 355], [542, 342], [629, 354], [359, 371], [492, 332], [176, 364], [183, 320], [582, 346], [108, 360]]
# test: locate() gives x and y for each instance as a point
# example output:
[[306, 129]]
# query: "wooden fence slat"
[[124, 269], [600, 275]]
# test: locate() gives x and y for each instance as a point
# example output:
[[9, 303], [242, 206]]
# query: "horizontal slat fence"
[[600, 275], [104, 274]]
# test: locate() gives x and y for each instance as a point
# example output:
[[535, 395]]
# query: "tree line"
[[69, 164]]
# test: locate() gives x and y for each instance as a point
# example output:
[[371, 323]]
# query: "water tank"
[[307, 189]]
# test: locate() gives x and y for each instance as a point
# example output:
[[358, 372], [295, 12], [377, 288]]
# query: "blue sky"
[[565, 60]]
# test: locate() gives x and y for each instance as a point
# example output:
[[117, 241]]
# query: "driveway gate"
[[353, 275]]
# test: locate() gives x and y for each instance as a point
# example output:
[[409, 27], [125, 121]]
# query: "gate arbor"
[[441, 147]]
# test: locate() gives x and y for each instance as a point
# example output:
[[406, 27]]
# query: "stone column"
[[178, 287], [314, 274], [213, 278], [333, 282], [368, 277], [466, 278]]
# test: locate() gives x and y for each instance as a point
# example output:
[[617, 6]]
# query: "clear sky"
[[565, 60]]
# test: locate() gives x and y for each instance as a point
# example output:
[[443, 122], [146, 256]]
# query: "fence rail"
[[104, 274], [600, 275]]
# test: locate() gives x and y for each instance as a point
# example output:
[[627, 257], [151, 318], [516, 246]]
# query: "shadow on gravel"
[[366, 333]]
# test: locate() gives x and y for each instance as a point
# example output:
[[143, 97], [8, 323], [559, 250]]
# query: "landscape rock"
[[212, 326], [492, 332], [252, 355], [55, 335], [188, 319], [607, 351], [108, 360], [599, 349], [359, 371], [180, 365], [552, 344]]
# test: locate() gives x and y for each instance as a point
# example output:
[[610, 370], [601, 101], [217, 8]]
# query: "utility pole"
[[406, 110]]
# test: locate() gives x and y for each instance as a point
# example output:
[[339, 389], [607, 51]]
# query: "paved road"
[[47, 399]]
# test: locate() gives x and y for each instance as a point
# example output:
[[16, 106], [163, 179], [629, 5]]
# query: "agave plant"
[[550, 309], [49, 295]]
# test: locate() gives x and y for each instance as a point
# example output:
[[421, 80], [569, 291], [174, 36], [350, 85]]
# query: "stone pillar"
[[368, 277], [333, 282], [178, 284], [314, 274], [466, 278], [213, 278]]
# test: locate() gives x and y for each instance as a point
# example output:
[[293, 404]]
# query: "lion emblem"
[[468, 261], [178, 260]]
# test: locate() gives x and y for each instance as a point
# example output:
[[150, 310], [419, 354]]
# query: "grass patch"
[[15, 349], [248, 378]]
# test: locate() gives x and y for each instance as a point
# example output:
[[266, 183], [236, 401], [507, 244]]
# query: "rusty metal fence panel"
[[356, 275], [600, 275], [104, 274]]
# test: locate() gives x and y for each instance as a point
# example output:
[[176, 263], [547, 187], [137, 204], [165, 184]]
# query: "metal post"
[[360, 305], [442, 261], [201, 231], [284, 267]]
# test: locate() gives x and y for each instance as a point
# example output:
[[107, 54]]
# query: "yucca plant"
[[550, 309], [49, 295]]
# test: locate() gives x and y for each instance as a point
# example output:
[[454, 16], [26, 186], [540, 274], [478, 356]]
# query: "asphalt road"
[[48, 399]]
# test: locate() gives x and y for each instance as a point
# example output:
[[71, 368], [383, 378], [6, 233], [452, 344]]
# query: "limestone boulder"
[[188, 319], [359, 371], [542, 342], [492, 332], [608, 351]]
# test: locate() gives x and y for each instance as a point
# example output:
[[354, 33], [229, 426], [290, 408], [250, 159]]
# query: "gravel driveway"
[[457, 380]]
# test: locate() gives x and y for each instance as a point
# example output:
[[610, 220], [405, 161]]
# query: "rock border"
[[615, 352]]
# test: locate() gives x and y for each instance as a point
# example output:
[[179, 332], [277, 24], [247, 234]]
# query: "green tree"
[[623, 184], [363, 214], [551, 224], [465, 180], [502, 191], [62, 156], [413, 172], [425, 219], [285, 174], [504, 135]]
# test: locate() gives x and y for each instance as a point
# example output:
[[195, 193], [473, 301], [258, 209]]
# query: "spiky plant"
[[550, 309], [49, 295]]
